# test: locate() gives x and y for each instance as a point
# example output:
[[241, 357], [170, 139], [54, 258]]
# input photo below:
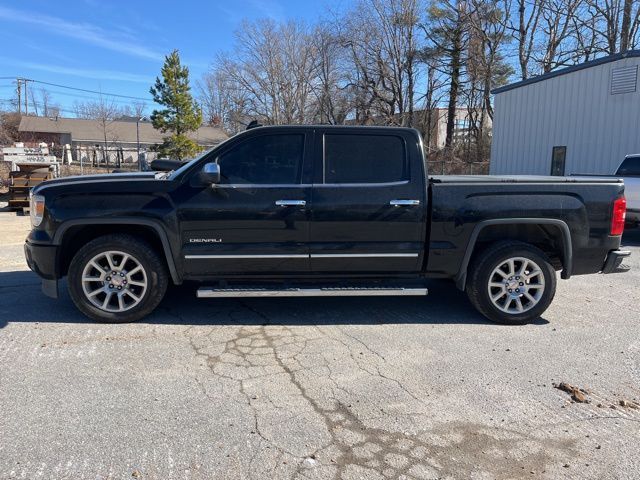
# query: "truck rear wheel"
[[117, 279], [511, 283]]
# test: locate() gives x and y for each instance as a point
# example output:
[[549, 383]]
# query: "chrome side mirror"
[[210, 174]]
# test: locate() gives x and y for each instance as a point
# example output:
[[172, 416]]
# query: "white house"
[[581, 119]]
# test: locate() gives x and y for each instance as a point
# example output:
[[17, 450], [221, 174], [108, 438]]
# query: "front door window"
[[266, 159]]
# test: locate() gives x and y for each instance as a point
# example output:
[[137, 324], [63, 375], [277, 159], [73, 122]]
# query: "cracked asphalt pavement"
[[318, 388]]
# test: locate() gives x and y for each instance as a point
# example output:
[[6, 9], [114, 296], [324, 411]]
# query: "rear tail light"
[[619, 214]]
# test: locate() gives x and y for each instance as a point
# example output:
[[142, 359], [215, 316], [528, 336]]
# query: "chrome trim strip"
[[291, 203], [263, 185], [351, 185], [362, 255], [308, 185], [398, 203], [204, 292], [312, 255], [194, 257]]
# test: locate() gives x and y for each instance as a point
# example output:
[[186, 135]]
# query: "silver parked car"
[[629, 170]]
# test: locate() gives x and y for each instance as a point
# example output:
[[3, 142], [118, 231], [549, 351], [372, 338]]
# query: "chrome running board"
[[210, 292]]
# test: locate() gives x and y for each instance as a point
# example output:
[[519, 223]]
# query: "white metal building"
[[581, 119]]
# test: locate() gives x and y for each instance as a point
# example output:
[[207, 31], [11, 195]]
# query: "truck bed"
[[475, 179]]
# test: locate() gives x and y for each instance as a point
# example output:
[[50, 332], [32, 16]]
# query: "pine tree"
[[181, 113]]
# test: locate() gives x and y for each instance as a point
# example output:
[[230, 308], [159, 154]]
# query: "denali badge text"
[[205, 240]]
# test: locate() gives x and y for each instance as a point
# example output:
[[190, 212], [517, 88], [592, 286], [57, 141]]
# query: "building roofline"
[[564, 71]]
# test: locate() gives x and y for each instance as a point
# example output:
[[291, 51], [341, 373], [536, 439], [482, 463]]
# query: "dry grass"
[[5, 168]]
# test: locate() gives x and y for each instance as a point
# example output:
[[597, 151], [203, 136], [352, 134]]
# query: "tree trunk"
[[626, 26], [522, 40], [456, 53]]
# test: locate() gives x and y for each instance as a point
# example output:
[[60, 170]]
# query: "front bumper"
[[42, 260], [613, 263]]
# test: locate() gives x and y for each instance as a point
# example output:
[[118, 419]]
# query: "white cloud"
[[80, 72], [255, 8], [269, 8], [85, 32]]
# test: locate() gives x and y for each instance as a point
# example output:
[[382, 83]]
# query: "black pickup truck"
[[320, 210]]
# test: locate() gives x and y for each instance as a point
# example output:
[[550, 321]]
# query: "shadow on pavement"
[[22, 301]]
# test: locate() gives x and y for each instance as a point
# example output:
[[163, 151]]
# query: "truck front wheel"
[[116, 279], [511, 283]]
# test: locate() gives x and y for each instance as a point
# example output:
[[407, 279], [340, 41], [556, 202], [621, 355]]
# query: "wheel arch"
[[485, 230], [75, 233]]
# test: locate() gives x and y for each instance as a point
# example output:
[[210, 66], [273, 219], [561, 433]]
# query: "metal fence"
[[99, 156], [453, 167], [95, 159]]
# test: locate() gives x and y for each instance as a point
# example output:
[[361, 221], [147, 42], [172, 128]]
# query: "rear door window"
[[630, 167], [365, 159]]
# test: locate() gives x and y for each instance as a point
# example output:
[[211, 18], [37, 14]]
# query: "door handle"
[[291, 203], [404, 203]]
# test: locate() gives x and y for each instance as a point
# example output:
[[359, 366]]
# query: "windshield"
[[630, 167], [173, 174]]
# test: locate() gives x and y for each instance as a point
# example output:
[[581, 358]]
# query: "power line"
[[107, 94], [75, 95], [90, 91], [37, 104]]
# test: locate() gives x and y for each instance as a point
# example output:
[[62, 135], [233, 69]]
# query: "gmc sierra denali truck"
[[320, 210]]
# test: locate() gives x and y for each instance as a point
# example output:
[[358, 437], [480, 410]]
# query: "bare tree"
[[447, 31], [42, 103], [104, 112], [617, 22], [381, 39], [436, 82], [139, 108], [558, 25], [486, 68], [381, 60], [272, 65], [333, 97], [223, 102], [34, 102], [9, 123], [523, 25], [488, 35]]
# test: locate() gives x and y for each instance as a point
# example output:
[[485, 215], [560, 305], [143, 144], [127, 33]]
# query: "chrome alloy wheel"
[[516, 285], [114, 281]]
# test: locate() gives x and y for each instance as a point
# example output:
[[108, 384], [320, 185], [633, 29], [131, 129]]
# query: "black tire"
[[154, 270], [480, 273]]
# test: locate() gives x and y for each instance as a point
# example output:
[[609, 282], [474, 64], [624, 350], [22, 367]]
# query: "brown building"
[[83, 135]]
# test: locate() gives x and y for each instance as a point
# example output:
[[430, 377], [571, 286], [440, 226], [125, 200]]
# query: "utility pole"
[[19, 84], [138, 120], [26, 98], [138, 141]]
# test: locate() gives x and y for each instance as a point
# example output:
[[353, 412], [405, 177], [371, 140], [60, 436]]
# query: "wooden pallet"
[[24, 180]]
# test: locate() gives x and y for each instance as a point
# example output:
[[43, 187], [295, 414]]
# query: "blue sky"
[[118, 46]]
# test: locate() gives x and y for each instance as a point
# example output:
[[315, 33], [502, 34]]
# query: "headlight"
[[36, 209]]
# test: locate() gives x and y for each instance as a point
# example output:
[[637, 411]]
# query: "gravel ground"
[[318, 388]]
